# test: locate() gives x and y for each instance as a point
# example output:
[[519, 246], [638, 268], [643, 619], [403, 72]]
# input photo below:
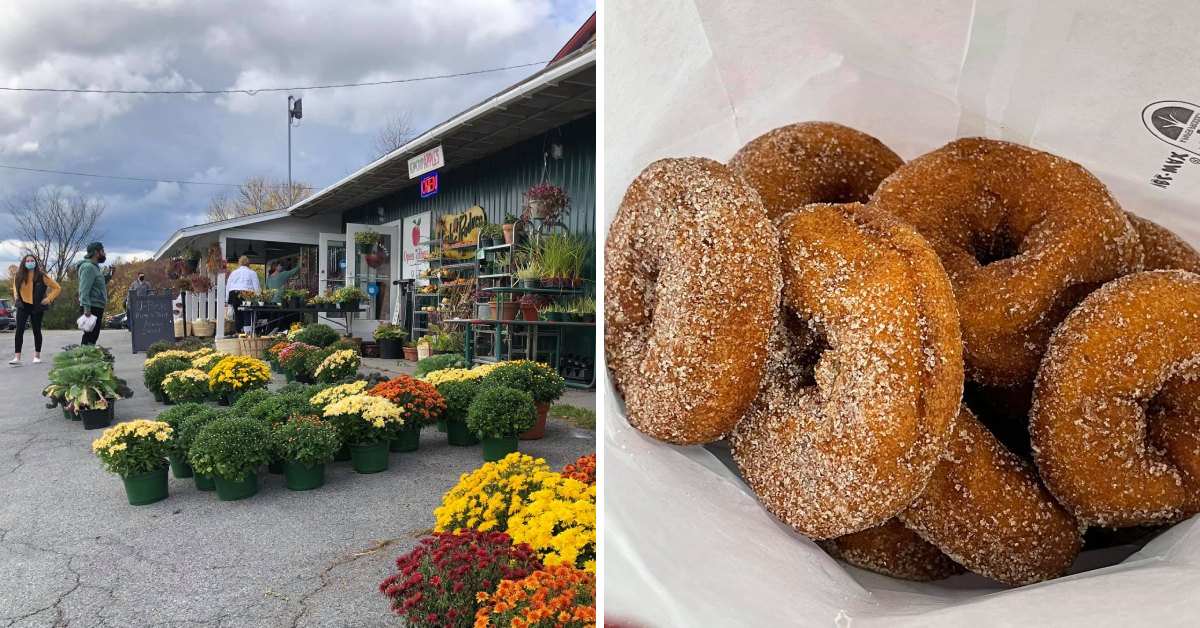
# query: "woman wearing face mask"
[[34, 291]]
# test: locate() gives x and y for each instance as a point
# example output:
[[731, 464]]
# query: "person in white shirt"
[[243, 278]]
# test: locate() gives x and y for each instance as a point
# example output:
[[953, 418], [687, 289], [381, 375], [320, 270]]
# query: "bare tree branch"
[[397, 132], [255, 196], [56, 225]]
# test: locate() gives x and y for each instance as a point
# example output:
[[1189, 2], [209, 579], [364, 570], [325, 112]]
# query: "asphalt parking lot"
[[74, 553]]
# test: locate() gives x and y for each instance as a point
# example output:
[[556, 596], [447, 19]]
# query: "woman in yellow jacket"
[[34, 291]]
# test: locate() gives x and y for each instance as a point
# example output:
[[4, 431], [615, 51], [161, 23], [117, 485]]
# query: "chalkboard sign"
[[151, 319]]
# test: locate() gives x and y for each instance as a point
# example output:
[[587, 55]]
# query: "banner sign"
[[415, 232], [427, 161]]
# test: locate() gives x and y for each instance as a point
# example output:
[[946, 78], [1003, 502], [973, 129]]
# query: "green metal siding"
[[497, 182]]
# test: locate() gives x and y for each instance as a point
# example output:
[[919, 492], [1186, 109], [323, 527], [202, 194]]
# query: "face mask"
[[100, 260], [141, 279], [31, 265]]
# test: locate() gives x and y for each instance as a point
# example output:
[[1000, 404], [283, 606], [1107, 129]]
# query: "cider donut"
[[1163, 250], [984, 508], [692, 283], [1023, 234], [813, 162], [1115, 423], [893, 550], [864, 375]]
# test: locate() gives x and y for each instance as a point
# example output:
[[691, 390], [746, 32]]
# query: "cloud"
[[177, 44]]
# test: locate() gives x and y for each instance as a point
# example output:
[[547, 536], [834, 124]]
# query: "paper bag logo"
[[1174, 122]]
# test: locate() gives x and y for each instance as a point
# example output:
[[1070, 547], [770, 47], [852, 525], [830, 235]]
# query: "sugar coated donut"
[[1023, 234], [1115, 423], [864, 376], [692, 287], [893, 550], [813, 162], [985, 508], [1162, 248]]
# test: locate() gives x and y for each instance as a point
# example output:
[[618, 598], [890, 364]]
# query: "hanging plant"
[[546, 201], [200, 283], [367, 240], [214, 261]]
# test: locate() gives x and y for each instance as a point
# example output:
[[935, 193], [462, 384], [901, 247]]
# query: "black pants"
[[90, 337], [27, 315]]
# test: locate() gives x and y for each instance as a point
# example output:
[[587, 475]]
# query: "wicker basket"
[[180, 329], [230, 346], [255, 346], [204, 328]]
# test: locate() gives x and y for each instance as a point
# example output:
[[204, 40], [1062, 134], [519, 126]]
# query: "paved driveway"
[[74, 553]]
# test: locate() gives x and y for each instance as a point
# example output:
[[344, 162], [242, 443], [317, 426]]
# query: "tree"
[[56, 225], [255, 196], [397, 132]]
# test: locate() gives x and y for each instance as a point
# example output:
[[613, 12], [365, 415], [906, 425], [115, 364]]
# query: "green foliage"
[[439, 362], [230, 447], [248, 400], [388, 331], [582, 418], [307, 440], [501, 412], [184, 389], [458, 396], [191, 343], [314, 359], [154, 374], [191, 419], [543, 383], [317, 335], [345, 343], [299, 388], [276, 409], [84, 382], [157, 347], [65, 309]]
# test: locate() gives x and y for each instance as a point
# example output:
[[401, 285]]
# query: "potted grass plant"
[[229, 450], [367, 424], [137, 451], [306, 444], [390, 337], [422, 404], [498, 415]]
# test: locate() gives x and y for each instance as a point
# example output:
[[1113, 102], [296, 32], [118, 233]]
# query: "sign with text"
[[415, 232], [429, 185], [151, 318], [427, 161]]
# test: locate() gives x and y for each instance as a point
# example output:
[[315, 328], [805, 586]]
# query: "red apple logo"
[[416, 233]]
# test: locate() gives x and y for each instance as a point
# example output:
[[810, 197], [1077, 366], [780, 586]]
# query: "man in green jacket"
[[93, 289]]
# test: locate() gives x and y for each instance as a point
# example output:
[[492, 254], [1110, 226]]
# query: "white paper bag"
[[86, 322], [685, 541]]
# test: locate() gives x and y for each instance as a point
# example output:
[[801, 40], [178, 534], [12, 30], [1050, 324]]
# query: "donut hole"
[[803, 342], [992, 247]]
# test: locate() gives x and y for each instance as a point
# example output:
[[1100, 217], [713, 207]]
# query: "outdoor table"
[[531, 341], [345, 321]]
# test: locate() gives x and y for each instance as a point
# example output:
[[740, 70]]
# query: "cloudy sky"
[[226, 44]]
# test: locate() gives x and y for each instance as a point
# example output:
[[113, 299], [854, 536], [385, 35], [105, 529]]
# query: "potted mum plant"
[[422, 404], [189, 427], [292, 359], [229, 450], [337, 366], [560, 591], [235, 375], [186, 385], [497, 415], [454, 569], [306, 444], [367, 424], [542, 383], [458, 394], [181, 439], [389, 337], [137, 451], [156, 369]]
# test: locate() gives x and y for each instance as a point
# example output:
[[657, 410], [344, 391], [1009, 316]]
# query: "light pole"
[[296, 111]]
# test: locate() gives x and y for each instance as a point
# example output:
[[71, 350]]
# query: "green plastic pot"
[[369, 457], [179, 466], [70, 416], [204, 483], [159, 396], [301, 477], [408, 440], [146, 488], [441, 426], [231, 490], [459, 435], [497, 448], [342, 454]]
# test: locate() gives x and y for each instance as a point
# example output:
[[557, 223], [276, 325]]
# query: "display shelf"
[[519, 290], [495, 275], [497, 247], [470, 264]]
